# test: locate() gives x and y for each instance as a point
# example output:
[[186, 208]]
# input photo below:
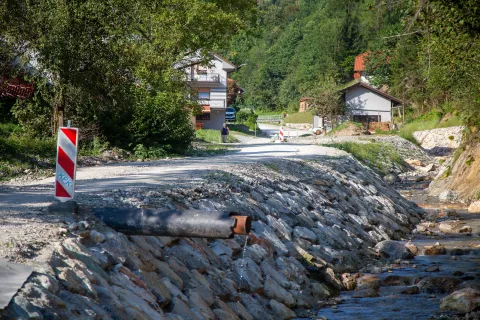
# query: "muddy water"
[[461, 262]]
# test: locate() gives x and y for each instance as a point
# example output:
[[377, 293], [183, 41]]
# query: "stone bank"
[[313, 221]]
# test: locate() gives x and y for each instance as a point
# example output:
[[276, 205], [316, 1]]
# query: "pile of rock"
[[314, 220]]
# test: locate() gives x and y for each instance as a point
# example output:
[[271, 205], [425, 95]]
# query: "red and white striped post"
[[66, 163], [281, 135]]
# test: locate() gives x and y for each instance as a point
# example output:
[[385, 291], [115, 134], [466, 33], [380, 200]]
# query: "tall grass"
[[19, 152], [213, 136], [378, 156]]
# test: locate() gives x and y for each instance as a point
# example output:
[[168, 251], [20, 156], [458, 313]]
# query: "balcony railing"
[[207, 77], [213, 103]]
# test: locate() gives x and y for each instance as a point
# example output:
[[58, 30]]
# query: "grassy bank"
[[428, 121], [378, 156], [299, 117], [20, 153], [212, 136]]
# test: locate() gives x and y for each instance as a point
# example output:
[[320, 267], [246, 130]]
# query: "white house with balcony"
[[210, 81]]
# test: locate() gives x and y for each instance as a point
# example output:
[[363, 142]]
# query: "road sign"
[[281, 135], [66, 163]]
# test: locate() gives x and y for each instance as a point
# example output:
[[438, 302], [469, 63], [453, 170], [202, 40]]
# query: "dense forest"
[[426, 51]]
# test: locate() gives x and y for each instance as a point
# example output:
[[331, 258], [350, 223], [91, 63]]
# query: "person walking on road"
[[224, 132]]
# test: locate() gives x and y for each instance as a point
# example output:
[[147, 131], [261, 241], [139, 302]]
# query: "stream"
[[402, 295]]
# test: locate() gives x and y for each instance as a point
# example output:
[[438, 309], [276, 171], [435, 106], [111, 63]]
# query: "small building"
[[304, 104], [210, 81], [367, 104]]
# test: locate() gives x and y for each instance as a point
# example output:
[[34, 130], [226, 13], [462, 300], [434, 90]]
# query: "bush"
[[160, 120], [143, 152], [247, 117]]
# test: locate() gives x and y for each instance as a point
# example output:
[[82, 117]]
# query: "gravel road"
[[26, 228]]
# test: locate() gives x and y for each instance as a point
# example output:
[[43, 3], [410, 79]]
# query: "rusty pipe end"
[[243, 224]]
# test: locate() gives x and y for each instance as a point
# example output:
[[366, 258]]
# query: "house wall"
[[217, 119], [361, 101]]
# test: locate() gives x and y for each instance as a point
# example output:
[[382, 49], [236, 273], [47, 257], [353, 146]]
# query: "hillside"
[[424, 52]]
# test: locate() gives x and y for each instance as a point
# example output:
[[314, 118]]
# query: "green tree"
[[326, 100], [104, 63]]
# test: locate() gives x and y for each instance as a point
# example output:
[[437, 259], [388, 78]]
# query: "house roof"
[[368, 87], [305, 99], [360, 62], [227, 64]]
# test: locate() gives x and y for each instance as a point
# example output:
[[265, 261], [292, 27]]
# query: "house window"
[[204, 96], [367, 118], [203, 116], [201, 69]]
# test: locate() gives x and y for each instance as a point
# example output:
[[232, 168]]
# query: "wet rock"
[[240, 310], [412, 247], [131, 300], [368, 282], [256, 252], [366, 293], [223, 311], [304, 233], [269, 269], [474, 207], [273, 290], [281, 311], [465, 229], [395, 280], [158, 288], [393, 250], [391, 178], [462, 301], [432, 269], [411, 290], [175, 292], [97, 237], [435, 250], [224, 315], [255, 308], [199, 306], [349, 281], [248, 275], [181, 308], [452, 213], [319, 290], [438, 284]]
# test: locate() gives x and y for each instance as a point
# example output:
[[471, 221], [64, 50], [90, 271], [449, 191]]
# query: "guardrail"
[[270, 118]]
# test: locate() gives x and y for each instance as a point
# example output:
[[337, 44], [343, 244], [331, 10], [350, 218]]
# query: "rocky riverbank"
[[315, 220], [433, 275]]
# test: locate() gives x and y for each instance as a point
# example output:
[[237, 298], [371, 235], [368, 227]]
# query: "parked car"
[[230, 115]]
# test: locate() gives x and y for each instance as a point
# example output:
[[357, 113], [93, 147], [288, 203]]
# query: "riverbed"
[[402, 294]]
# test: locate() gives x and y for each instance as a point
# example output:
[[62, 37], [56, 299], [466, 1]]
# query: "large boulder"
[[463, 301], [474, 207], [393, 250], [438, 284], [434, 250]]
